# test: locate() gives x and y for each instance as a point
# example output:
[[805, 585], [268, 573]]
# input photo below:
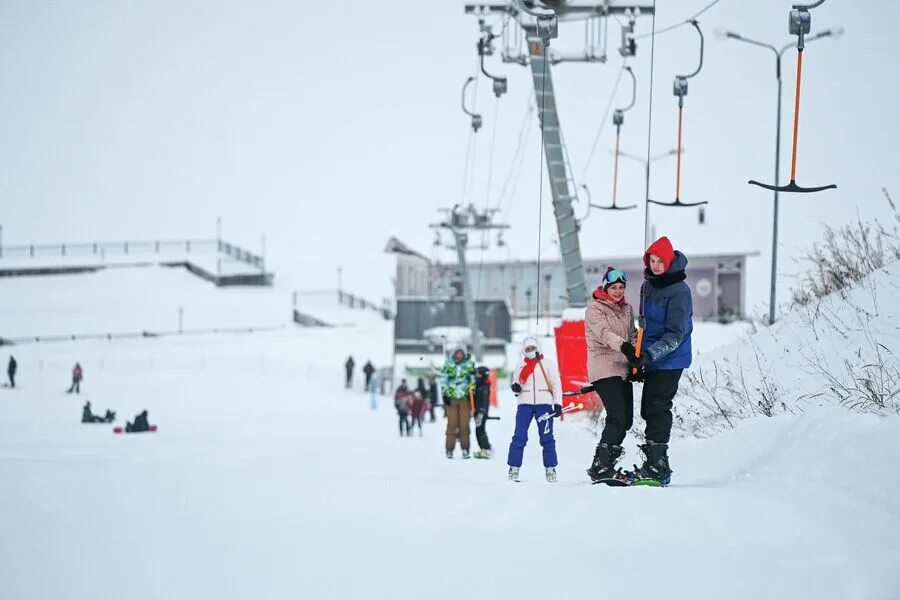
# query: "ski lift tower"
[[460, 221], [539, 21]]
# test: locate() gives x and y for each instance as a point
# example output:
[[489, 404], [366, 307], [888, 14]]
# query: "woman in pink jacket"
[[609, 325]]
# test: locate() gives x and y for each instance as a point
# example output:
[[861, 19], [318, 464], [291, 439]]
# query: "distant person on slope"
[[432, 396], [88, 417], [482, 406], [140, 424], [668, 311], [368, 371], [608, 326], [348, 366], [403, 403], [458, 385], [537, 387], [11, 371], [77, 376], [418, 410]]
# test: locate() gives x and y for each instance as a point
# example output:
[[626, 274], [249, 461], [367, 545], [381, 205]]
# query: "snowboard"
[[122, 430]]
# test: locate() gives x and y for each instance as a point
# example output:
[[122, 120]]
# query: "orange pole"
[[637, 347], [616, 166], [796, 114], [678, 167]]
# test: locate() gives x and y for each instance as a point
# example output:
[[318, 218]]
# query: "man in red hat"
[[668, 311]]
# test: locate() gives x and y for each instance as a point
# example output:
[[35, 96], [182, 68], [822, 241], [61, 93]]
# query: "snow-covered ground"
[[268, 480]]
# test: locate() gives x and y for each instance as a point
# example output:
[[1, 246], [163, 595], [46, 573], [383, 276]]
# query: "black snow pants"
[[405, 427], [617, 396], [481, 419], [12, 380], [656, 403]]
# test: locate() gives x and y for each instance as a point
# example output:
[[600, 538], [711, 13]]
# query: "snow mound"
[[839, 350]]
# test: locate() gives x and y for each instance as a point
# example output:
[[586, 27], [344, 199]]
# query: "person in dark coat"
[[11, 371], [368, 371], [348, 366], [88, 417], [667, 308], [482, 406], [77, 376], [432, 396], [140, 424]]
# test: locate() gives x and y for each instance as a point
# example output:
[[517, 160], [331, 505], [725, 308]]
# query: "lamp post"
[[779, 53]]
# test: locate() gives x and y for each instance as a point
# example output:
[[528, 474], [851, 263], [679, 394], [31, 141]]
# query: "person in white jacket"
[[537, 387]]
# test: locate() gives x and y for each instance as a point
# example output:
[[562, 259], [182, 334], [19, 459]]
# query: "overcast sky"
[[330, 126]]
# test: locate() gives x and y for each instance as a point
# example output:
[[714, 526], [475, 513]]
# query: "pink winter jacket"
[[606, 326]]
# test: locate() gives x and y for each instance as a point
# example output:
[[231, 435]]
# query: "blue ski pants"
[[524, 415]]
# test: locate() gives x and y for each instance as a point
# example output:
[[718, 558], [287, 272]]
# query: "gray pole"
[[775, 215], [462, 239]]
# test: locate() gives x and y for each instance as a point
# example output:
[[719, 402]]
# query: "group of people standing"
[[616, 360], [77, 375], [368, 373], [466, 392], [413, 405]]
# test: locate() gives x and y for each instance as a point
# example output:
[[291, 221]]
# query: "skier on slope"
[[77, 376], [482, 406], [667, 308], [537, 387], [458, 385], [608, 324]]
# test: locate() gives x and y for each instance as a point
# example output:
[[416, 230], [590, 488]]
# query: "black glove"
[[639, 361], [557, 410], [627, 349], [516, 388]]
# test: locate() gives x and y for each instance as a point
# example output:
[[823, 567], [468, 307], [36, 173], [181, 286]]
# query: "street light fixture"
[[725, 34]]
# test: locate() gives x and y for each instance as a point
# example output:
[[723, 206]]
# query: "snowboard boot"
[[656, 464], [466, 454], [551, 475], [605, 458], [514, 473], [449, 453], [484, 453]]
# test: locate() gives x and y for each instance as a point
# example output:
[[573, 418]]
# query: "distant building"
[[718, 281]]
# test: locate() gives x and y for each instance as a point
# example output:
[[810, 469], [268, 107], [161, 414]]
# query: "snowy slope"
[[132, 299], [268, 480], [821, 354]]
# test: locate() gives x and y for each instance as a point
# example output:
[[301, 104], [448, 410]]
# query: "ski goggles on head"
[[615, 276]]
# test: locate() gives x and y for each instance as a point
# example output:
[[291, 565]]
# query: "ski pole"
[[585, 390], [566, 409]]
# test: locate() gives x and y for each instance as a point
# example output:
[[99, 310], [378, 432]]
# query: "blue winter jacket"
[[669, 314]]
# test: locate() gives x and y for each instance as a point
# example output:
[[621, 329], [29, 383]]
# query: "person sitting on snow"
[[140, 424], [537, 387], [88, 417]]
